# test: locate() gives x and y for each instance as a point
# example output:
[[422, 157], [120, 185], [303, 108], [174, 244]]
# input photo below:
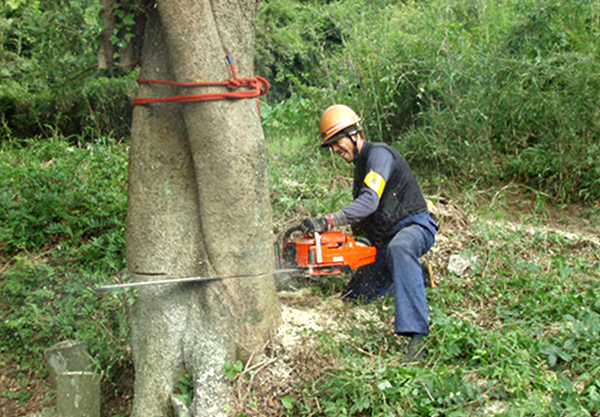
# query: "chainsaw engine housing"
[[325, 253]]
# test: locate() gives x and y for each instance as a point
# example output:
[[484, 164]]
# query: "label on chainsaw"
[[338, 259], [375, 182]]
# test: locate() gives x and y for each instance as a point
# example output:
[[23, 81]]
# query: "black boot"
[[428, 278], [416, 349]]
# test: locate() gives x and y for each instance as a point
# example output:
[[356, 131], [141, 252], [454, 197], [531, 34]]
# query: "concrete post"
[[78, 394], [67, 356]]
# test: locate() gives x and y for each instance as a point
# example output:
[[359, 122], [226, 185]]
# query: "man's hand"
[[313, 224]]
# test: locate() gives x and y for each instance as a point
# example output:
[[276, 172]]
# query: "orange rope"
[[255, 87]]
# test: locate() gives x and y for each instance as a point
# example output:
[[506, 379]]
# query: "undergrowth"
[[515, 336], [488, 91], [62, 211]]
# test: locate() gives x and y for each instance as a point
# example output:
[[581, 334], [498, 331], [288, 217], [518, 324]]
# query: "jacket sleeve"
[[379, 169]]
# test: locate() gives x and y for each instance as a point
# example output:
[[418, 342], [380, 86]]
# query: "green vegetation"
[[494, 103], [517, 336], [48, 78], [62, 211], [488, 91], [481, 91]]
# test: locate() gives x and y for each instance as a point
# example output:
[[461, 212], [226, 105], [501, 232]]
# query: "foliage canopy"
[[472, 90]]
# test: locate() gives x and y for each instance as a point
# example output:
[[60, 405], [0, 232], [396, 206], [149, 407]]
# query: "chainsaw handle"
[[289, 232]]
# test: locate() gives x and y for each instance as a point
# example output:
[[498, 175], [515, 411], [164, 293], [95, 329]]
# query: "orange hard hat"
[[334, 120]]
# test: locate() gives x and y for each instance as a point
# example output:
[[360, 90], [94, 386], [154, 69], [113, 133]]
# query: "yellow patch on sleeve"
[[375, 182]]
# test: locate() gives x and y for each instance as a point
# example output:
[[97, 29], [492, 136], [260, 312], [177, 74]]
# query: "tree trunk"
[[198, 205], [106, 50]]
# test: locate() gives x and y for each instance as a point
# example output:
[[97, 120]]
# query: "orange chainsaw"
[[324, 253], [319, 254]]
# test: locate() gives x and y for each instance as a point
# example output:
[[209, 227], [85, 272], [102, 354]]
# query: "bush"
[[494, 91], [473, 90], [52, 192], [62, 212], [293, 40], [50, 83]]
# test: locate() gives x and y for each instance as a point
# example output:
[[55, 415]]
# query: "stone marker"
[[67, 356], [78, 394]]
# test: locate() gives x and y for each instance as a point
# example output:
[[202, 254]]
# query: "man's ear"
[[358, 138]]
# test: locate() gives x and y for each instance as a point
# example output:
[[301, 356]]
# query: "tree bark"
[[198, 205], [106, 50]]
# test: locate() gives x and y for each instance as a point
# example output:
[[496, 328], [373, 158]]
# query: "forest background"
[[495, 106]]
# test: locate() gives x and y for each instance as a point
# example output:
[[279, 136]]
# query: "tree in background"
[[198, 205], [121, 40]]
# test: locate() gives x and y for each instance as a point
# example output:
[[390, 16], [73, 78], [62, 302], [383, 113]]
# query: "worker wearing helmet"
[[390, 210]]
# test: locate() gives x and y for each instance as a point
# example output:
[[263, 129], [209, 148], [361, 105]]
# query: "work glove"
[[312, 224]]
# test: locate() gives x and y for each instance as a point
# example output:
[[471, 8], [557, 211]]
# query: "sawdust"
[[302, 314], [292, 357]]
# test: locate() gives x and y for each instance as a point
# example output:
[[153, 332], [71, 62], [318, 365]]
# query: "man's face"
[[344, 147]]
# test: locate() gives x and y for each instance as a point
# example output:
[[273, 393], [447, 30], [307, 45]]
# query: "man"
[[389, 209]]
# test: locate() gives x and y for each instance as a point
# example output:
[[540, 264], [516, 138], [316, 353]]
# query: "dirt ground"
[[22, 394]]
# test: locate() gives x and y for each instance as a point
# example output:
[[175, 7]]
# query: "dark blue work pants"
[[397, 271]]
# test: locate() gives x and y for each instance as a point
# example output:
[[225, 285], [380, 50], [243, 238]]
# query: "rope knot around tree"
[[253, 87]]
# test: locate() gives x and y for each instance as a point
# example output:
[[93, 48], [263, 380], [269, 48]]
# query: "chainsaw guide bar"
[[183, 280]]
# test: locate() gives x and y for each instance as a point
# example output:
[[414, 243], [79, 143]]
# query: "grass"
[[516, 335]]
